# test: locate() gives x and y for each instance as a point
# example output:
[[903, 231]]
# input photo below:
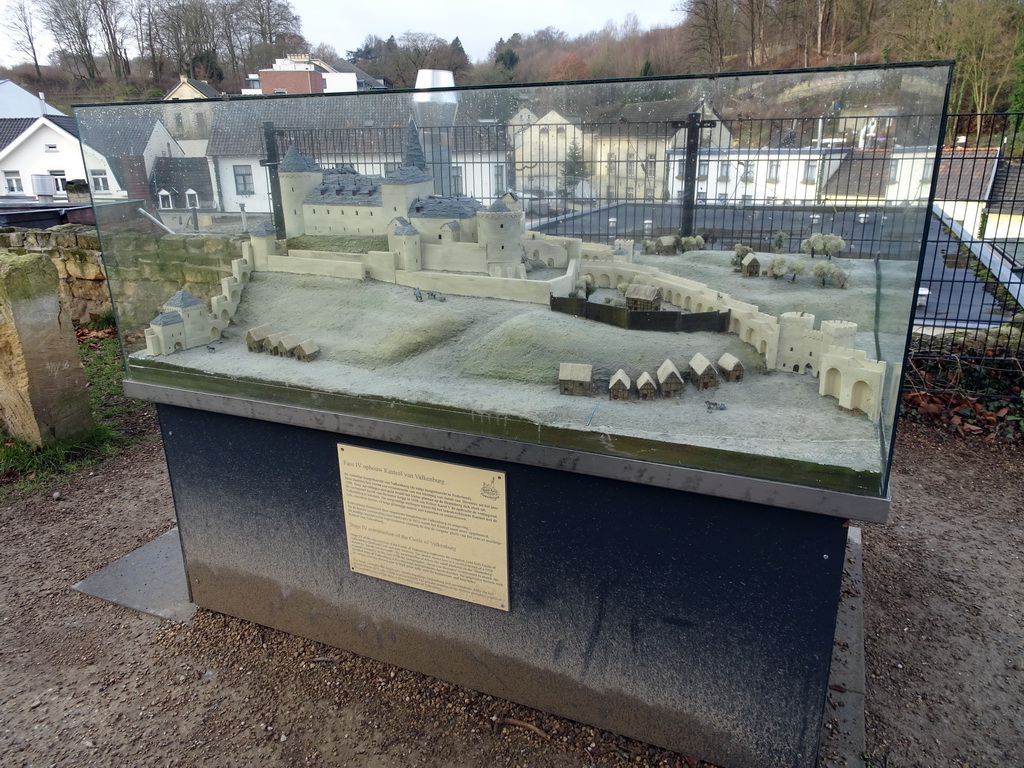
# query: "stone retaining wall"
[[74, 250]]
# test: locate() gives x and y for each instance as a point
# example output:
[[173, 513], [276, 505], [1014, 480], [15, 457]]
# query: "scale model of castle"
[[458, 246]]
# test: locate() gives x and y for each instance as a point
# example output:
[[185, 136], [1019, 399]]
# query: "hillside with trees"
[[122, 49]]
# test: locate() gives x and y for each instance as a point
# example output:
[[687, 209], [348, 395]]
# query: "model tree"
[[740, 252], [832, 245], [813, 244], [796, 268], [777, 267], [779, 241]]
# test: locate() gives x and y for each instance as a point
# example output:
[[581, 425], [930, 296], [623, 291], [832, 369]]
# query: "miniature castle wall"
[[197, 325], [785, 342]]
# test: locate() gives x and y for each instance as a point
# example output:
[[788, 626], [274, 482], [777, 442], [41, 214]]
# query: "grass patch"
[[120, 421], [339, 243]]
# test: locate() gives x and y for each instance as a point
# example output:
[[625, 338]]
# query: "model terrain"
[[447, 328]]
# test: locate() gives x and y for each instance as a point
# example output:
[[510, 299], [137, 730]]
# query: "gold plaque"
[[426, 524]]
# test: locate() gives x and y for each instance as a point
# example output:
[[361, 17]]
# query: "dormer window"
[[165, 200], [192, 198]]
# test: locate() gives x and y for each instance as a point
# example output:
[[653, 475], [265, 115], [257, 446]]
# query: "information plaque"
[[431, 525]]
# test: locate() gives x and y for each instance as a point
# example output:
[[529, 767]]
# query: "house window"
[[13, 180], [810, 172], [100, 182], [892, 171], [51, 147], [165, 199], [200, 120], [280, 91], [59, 180], [773, 172], [650, 164], [500, 184], [611, 164], [630, 164], [192, 198], [243, 180], [724, 171], [179, 121], [702, 169], [457, 181]]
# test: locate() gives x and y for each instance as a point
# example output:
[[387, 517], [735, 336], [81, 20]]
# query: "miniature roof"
[[167, 318], [667, 240], [263, 228], [406, 229], [289, 341], [699, 364], [451, 224], [498, 206], [644, 379], [749, 258], [413, 156], [643, 292], [575, 372], [406, 174], [729, 362], [296, 162], [343, 186], [307, 347], [260, 332], [273, 338], [444, 208], [183, 299], [667, 369], [620, 377]]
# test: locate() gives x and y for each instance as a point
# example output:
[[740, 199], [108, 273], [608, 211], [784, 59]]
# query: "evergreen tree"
[[574, 170]]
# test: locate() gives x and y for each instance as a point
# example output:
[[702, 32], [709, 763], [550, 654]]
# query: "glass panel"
[[430, 257]]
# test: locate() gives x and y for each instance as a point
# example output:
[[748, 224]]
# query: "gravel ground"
[[89, 683]]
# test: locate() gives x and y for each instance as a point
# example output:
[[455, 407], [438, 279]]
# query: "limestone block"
[[43, 396], [94, 290], [89, 241], [81, 266], [173, 245], [64, 240]]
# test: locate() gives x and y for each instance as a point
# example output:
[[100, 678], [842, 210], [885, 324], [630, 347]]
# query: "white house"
[[38, 156]]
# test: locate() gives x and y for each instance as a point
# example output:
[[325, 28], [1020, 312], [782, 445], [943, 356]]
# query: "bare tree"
[[72, 24], [110, 15], [22, 25], [711, 24]]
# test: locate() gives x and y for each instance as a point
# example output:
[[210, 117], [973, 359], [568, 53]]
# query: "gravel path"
[[89, 683]]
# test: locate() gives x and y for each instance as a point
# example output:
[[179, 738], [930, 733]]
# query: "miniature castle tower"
[[500, 230], [409, 182], [299, 175], [404, 240]]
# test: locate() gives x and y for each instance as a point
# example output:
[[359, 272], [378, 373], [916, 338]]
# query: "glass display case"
[[671, 276]]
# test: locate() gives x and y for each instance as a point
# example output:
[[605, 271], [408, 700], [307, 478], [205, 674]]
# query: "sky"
[[477, 23]]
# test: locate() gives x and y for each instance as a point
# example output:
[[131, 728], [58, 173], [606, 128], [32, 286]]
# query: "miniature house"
[[750, 266], [666, 244], [307, 351], [619, 386], [645, 387], [575, 379], [732, 368], [643, 298], [256, 337], [271, 342], [670, 381], [702, 372], [287, 344]]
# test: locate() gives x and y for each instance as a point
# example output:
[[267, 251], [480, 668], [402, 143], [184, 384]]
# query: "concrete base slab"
[[151, 579], [843, 741]]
